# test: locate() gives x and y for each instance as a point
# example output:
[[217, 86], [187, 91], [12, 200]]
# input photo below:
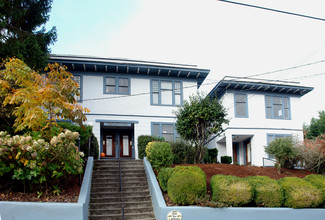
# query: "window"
[[166, 92], [241, 106], [272, 137], [117, 85], [78, 80], [277, 107], [165, 130]]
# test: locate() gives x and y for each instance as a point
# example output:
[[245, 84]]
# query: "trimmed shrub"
[[226, 159], [163, 177], [143, 140], [267, 191], [211, 156], [184, 153], [318, 181], [284, 151], [299, 193], [231, 190], [186, 185], [159, 154]]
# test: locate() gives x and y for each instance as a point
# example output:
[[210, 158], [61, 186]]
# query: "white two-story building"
[[259, 111], [130, 98]]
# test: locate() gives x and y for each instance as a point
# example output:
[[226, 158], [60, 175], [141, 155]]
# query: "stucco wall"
[[134, 107], [256, 125]]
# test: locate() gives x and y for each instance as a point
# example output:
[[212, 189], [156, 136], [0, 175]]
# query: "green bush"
[[284, 151], [231, 190], [143, 140], [163, 177], [37, 163], [299, 193], [159, 154], [184, 153], [186, 185], [211, 156], [318, 181], [226, 159], [267, 191]]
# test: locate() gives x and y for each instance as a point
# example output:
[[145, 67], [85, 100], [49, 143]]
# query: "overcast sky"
[[228, 39]]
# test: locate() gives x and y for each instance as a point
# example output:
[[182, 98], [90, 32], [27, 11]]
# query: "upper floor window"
[[166, 92], [117, 85], [277, 107], [78, 80], [241, 105], [165, 130]]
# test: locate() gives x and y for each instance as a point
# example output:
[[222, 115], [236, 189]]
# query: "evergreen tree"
[[22, 31]]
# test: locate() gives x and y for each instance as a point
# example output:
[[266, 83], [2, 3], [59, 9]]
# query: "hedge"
[[267, 191], [163, 177], [226, 159], [159, 154], [299, 193], [319, 182], [143, 140], [231, 190], [186, 185]]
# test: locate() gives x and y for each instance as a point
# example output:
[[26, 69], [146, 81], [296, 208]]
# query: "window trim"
[[246, 105], [173, 92], [80, 85], [160, 124], [117, 92], [272, 107]]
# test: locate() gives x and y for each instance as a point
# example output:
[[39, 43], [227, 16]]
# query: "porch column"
[[229, 145]]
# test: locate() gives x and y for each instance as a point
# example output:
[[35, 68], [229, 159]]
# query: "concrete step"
[[119, 211], [125, 189], [142, 216], [125, 194], [117, 204], [123, 172], [125, 182], [116, 197]]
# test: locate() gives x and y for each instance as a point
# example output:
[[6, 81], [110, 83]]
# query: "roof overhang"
[[258, 85], [132, 67]]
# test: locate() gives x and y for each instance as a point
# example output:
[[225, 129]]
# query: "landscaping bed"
[[240, 171], [68, 195]]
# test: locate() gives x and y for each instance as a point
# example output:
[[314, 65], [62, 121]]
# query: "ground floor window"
[[272, 137], [165, 130]]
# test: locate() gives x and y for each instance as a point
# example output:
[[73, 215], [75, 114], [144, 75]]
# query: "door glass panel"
[[125, 145], [109, 145]]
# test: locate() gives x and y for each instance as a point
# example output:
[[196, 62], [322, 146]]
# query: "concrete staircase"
[[106, 198]]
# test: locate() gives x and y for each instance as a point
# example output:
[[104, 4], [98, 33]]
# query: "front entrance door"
[[125, 144], [235, 150], [109, 145]]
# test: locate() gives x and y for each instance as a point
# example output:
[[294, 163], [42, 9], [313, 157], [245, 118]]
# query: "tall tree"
[[22, 31], [198, 120], [316, 127], [40, 99]]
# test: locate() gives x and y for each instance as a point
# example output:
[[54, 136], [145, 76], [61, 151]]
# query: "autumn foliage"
[[40, 99]]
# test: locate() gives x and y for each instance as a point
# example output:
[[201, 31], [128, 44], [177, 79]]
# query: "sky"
[[228, 39]]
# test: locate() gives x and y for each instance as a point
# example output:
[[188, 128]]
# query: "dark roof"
[[258, 85], [125, 66]]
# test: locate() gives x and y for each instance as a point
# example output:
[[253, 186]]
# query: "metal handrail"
[[270, 159], [121, 190]]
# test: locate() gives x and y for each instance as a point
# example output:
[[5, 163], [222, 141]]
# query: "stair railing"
[[121, 190]]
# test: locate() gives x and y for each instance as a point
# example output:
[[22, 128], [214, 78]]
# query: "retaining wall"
[[52, 211], [203, 213]]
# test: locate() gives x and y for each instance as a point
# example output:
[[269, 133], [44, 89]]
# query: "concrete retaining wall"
[[52, 211], [203, 213]]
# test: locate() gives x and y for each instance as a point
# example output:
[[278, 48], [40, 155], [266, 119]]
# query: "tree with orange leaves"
[[40, 99]]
